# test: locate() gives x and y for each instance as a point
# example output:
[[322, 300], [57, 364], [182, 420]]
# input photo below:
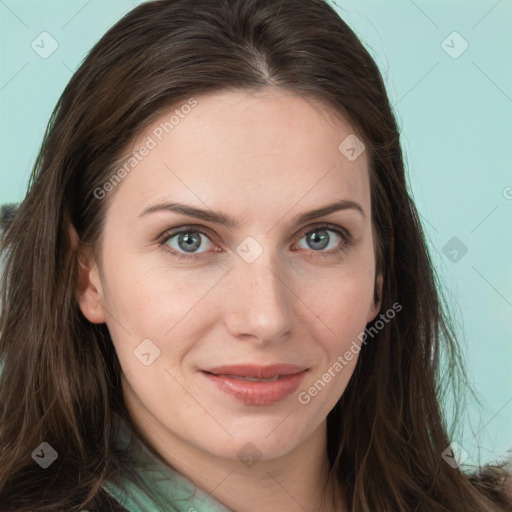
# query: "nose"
[[259, 302]]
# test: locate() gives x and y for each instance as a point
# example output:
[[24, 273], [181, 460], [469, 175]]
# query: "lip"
[[229, 380]]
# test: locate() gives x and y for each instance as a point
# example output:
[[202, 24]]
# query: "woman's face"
[[265, 283]]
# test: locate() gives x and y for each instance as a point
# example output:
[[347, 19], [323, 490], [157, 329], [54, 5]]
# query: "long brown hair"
[[60, 381]]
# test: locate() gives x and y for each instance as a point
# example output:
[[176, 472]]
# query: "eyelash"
[[347, 240]]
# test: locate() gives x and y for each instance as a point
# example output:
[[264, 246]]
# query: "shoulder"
[[103, 502]]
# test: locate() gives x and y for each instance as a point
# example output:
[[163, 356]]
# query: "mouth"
[[257, 385]]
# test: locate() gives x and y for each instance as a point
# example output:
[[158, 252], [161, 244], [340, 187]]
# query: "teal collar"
[[172, 491]]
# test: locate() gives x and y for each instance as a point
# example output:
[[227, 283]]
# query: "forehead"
[[270, 146]]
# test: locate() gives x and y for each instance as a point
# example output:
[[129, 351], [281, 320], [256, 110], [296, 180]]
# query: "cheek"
[[156, 303], [148, 295], [341, 312], [342, 304]]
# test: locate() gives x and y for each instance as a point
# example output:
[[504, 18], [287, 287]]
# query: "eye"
[[184, 243], [319, 238]]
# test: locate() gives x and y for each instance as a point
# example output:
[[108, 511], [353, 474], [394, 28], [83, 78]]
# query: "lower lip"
[[257, 393]]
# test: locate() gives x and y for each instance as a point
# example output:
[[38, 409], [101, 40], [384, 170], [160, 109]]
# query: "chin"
[[263, 442]]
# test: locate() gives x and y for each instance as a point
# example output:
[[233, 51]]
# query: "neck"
[[295, 482]]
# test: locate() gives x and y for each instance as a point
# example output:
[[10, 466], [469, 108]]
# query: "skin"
[[263, 159]]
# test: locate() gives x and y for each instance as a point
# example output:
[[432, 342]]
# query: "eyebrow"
[[224, 220]]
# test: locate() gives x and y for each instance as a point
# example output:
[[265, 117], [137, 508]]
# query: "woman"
[[217, 292]]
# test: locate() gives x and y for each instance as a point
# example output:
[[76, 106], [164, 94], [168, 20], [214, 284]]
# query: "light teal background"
[[455, 116]]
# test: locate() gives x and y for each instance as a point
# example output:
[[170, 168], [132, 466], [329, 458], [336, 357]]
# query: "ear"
[[377, 299], [89, 292]]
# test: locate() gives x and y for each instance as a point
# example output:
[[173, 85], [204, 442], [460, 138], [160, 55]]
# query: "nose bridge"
[[260, 302]]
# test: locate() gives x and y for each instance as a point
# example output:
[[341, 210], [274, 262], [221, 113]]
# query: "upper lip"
[[257, 372]]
